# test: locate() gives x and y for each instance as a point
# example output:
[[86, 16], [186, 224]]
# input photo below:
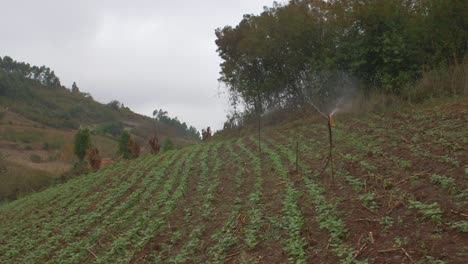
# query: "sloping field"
[[399, 195]]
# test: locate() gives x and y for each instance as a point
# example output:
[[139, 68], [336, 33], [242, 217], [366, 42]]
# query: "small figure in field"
[[206, 134], [154, 144], [133, 148], [94, 159]]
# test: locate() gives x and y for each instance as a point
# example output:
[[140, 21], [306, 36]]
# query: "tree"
[[168, 145], [123, 145], [82, 143], [115, 105], [272, 59], [75, 88]]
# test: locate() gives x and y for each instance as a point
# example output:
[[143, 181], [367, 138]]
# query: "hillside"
[[39, 117], [399, 195]]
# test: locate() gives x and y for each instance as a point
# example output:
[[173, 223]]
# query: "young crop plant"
[[368, 200], [386, 222], [177, 195], [73, 224], [255, 221], [445, 182], [120, 215], [327, 212], [71, 250], [154, 218], [460, 226], [399, 242], [225, 238], [430, 212], [292, 221], [206, 188]]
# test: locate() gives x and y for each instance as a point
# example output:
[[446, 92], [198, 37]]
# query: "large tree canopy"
[[293, 52]]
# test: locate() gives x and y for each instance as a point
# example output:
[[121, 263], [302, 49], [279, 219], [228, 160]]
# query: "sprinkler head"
[[331, 120]]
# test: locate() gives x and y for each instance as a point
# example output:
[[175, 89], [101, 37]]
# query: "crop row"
[[206, 188]]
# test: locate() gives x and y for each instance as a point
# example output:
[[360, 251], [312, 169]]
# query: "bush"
[[168, 145], [123, 145], [82, 143], [111, 128]]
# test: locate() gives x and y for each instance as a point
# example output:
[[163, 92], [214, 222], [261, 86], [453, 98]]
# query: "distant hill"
[[39, 116], [37, 94]]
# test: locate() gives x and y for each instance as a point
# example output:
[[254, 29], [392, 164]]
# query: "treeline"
[[311, 50], [42, 74], [163, 117]]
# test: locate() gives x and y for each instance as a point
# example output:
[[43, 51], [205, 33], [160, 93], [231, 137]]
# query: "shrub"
[[123, 145], [82, 143], [168, 145]]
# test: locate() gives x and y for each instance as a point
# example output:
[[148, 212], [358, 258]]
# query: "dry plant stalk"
[[133, 148], [94, 159], [206, 134], [154, 144]]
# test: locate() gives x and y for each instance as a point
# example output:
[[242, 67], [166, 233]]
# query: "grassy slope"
[[399, 192], [37, 125]]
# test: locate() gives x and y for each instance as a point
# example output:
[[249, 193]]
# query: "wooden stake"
[[297, 155], [331, 148]]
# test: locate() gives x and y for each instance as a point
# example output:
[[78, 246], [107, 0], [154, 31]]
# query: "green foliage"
[[429, 211], [78, 168], [460, 226], [443, 181], [168, 145], [432, 260], [111, 128], [293, 52], [123, 145], [81, 143], [386, 222], [368, 200], [163, 117], [399, 242]]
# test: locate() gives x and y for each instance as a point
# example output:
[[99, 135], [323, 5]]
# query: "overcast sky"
[[147, 54]]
